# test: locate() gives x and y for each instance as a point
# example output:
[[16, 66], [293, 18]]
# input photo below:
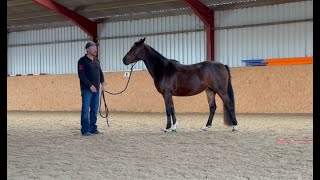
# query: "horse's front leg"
[[175, 123], [169, 109]]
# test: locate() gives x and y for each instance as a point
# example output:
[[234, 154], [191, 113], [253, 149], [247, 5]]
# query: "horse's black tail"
[[227, 116]]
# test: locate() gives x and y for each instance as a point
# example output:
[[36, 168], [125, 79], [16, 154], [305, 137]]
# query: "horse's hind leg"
[[212, 106], [229, 111]]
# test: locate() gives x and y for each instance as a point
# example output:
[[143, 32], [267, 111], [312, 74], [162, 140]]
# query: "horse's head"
[[134, 53]]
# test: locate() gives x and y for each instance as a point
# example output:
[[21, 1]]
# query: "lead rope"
[[104, 99]]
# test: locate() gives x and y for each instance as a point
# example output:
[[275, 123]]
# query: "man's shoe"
[[86, 134], [97, 132]]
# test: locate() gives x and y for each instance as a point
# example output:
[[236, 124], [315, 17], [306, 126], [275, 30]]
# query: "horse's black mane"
[[157, 54], [160, 56], [174, 61]]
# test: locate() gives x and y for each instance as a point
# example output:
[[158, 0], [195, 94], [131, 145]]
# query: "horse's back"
[[216, 69], [210, 71], [203, 66]]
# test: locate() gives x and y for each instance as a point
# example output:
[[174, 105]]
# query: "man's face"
[[92, 50]]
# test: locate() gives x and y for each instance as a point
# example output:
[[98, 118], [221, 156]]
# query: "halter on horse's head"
[[133, 55]]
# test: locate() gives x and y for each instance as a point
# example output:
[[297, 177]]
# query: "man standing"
[[90, 75]]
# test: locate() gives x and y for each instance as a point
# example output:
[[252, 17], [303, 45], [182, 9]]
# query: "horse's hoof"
[[206, 128], [174, 127], [167, 130], [235, 128]]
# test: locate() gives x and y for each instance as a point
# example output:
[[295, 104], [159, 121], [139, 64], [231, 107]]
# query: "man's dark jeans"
[[90, 101]]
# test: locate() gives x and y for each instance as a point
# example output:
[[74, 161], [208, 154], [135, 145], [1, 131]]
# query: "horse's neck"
[[154, 64], [154, 67]]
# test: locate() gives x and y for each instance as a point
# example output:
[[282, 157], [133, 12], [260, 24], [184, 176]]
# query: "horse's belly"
[[189, 89]]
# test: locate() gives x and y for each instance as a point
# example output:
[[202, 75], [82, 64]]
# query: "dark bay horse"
[[174, 79]]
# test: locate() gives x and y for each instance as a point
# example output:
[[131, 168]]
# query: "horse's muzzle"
[[125, 61]]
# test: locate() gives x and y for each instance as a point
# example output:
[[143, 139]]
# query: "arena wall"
[[278, 89]]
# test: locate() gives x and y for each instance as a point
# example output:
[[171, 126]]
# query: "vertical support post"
[[207, 17]]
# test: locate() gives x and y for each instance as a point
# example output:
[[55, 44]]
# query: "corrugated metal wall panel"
[[275, 41], [150, 26], [26, 61], [47, 35], [21, 61], [67, 56], [13, 57], [18, 61], [188, 48], [9, 63], [52, 58], [165, 44], [60, 58], [309, 39], [231, 45], [31, 58], [264, 14]]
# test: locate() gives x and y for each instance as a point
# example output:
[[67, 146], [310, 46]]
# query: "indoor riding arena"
[[267, 45]]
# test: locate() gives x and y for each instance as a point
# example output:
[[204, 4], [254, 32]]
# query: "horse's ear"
[[140, 42]]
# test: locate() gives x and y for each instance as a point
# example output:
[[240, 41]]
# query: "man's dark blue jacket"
[[89, 72]]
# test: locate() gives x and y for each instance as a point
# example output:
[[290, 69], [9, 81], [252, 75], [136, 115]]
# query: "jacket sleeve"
[[101, 76], [101, 73], [82, 74]]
